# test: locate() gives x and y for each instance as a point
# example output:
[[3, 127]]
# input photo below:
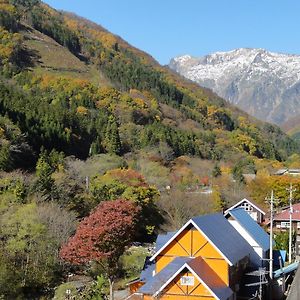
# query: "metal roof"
[[285, 214], [224, 236], [157, 281], [147, 271], [210, 278], [220, 233], [255, 205], [255, 231], [162, 239], [287, 171], [201, 270]]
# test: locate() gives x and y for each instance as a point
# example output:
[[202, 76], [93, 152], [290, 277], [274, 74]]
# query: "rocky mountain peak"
[[265, 84]]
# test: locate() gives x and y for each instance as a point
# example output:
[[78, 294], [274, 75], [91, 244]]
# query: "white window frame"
[[187, 280], [247, 207], [284, 224]]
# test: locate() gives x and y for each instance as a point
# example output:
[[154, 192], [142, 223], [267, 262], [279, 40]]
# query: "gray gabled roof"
[[220, 233], [210, 278], [147, 271], [224, 236], [255, 231], [157, 281], [199, 267], [162, 239]]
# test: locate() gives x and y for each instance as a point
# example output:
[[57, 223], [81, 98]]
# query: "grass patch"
[[51, 58]]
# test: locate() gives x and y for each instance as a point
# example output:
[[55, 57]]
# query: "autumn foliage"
[[104, 234]]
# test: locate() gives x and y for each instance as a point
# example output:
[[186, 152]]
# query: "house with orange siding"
[[205, 259]]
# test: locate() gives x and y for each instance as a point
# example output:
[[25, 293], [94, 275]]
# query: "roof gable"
[[210, 278], [198, 267], [224, 236], [156, 282], [241, 202], [219, 233], [184, 227], [254, 230]]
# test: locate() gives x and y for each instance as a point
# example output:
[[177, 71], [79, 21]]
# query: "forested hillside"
[[69, 113], [87, 120]]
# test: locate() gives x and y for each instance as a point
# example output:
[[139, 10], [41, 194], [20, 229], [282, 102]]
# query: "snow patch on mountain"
[[263, 83]]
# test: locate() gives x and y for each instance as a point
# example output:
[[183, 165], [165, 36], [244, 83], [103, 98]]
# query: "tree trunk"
[[111, 289]]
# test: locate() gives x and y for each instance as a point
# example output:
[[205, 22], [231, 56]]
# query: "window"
[[187, 280], [247, 206], [298, 225], [285, 224]]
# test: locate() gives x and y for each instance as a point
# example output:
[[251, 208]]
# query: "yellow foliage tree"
[[81, 110]]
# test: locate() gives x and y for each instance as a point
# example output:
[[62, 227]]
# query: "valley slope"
[[73, 76], [87, 120]]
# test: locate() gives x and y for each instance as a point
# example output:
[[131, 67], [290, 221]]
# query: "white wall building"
[[258, 239], [255, 212]]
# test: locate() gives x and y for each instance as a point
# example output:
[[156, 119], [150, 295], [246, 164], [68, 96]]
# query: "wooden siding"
[[192, 243], [176, 291]]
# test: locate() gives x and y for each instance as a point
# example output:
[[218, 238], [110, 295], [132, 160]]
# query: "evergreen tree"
[[5, 158], [112, 138], [25, 4], [216, 171], [44, 171], [95, 147]]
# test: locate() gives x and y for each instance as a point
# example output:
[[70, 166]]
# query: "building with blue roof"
[[204, 259], [162, 239], [256, 237], [251, 208], [216, 228], [153, 285], [148, 270]]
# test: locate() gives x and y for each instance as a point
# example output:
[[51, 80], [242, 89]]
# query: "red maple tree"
[[103, 236]]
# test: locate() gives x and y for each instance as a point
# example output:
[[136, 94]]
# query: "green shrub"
[[133, 261]]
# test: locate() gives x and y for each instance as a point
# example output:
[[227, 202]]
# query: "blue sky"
[[168, 28]]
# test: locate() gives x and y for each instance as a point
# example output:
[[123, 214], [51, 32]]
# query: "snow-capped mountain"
[[262, 83]]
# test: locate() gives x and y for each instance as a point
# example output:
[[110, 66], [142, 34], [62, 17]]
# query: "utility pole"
[[271, 202], [261, 273], [271, 236], [290, 189]]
